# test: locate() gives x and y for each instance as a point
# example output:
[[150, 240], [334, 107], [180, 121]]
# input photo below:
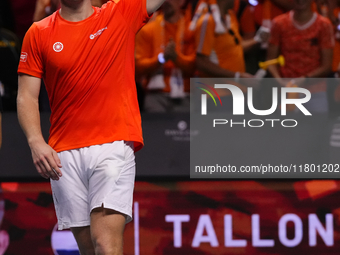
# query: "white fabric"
[[176, 84], [156, 82], [94, 176]]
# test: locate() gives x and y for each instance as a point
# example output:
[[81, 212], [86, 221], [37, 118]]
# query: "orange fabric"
[[301, 48], [236, 5], [149, 43], [229, 54], [266, 11], [336, 52], [247, 21], [88, 69], [314, 6]]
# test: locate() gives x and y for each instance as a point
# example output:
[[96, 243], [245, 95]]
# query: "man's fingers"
[[56, 159], [55, 164], [48, 163], [40, 171]]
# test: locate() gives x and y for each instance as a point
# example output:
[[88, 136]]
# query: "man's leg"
[[107, 228], [84, 241]]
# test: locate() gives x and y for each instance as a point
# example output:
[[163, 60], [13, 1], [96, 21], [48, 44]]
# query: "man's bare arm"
[[44, 157], [153, 5]]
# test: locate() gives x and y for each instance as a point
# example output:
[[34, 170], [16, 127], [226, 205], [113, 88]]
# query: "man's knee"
[[84, 241], [107, 228], [103, 246]]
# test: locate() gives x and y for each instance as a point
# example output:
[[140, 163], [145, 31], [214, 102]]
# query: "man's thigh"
[[92, 177]]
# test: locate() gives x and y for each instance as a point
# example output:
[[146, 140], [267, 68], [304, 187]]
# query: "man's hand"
[[46, 160], [262, 35], [170, 51]]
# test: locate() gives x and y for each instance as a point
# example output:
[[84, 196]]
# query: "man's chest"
[[69, 48]]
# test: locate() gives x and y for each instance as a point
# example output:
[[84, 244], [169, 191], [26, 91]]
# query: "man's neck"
[[173, 18], [76, 12], [303, 16]]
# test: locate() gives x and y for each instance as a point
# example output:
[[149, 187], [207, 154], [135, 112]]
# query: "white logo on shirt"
[[23, 57], [58, 47], [99, 32]]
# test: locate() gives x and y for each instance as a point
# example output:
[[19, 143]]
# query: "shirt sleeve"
[[275, 33], [205, 35], [134, 12], [30, 58], [326, 36]]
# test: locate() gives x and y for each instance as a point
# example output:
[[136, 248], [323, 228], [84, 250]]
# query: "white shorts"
[[95, 176]]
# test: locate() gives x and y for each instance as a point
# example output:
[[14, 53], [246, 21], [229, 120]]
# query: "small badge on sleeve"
[[23, 57]]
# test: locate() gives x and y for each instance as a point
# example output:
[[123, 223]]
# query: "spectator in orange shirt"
[[222, 54], [306, 41], [259, 13], [165, 56]]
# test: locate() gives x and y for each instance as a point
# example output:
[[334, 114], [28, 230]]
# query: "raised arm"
[[153, 5], [44, 157]]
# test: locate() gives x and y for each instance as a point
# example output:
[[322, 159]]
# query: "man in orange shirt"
[[85, 55], [221, 55], [306, 41], [165, 56]]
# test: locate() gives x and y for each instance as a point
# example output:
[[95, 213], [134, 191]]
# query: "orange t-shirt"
[[224, 49], [88, 69], [151, 40], [301, 45]]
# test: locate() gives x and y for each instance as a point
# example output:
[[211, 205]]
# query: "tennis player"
[[86, 57]]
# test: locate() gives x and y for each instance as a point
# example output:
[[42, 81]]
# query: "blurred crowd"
[[206, 38]]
